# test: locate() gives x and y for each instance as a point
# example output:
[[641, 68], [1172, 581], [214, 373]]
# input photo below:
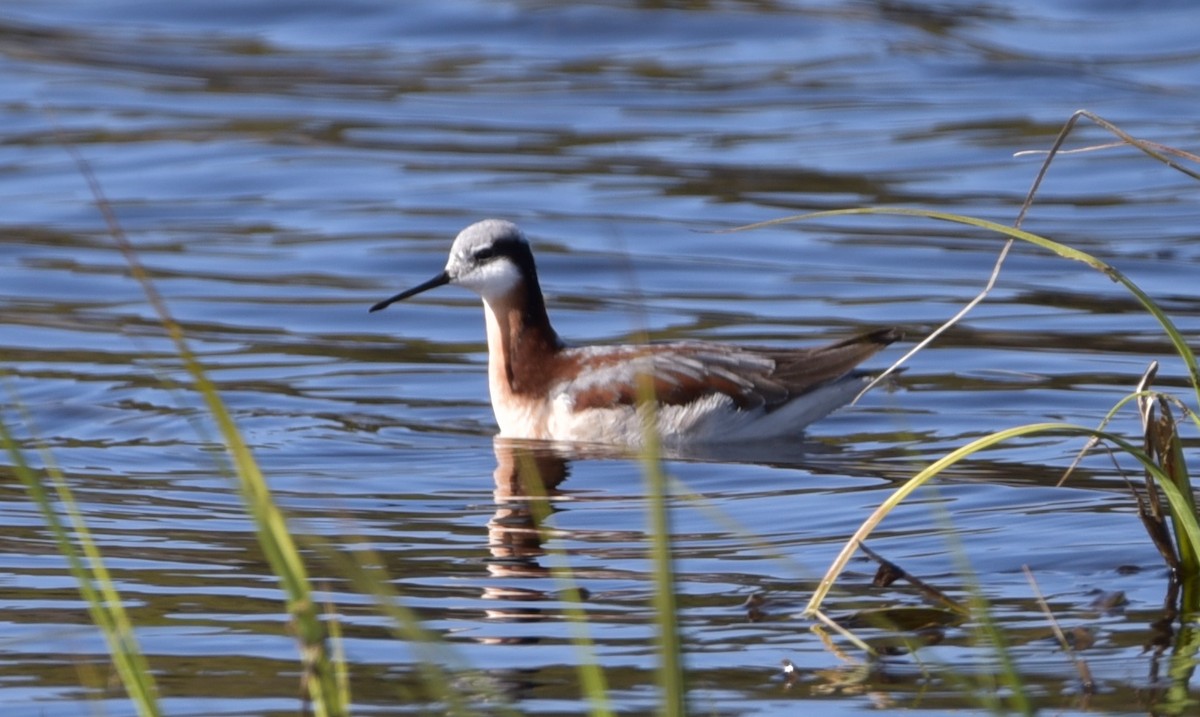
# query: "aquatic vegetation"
[[446, 680], [1160, 453], [86, 564]]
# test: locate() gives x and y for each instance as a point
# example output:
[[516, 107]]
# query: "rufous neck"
[[521, 342]]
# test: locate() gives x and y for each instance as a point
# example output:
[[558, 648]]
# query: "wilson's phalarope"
[[705, 392]]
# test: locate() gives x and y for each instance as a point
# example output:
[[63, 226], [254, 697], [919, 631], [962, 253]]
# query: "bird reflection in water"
[[527, 477]]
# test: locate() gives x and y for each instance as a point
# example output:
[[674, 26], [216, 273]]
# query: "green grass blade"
[[666, 608], [320, 675], [1184, 519], [898, 496], [671, 683], [592, 681], [1177, 339], [1162, 438], [364, 568], [96, 587], [278, 546], [987, 628]]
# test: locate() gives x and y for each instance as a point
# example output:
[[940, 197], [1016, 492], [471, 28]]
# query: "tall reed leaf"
[[1186, 520], [104, 604], [280, 550], [673, 691]]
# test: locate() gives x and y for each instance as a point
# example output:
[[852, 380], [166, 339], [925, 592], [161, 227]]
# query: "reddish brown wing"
[[685, 372], [680, 373]]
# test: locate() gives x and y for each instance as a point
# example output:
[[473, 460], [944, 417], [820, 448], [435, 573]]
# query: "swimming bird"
[[541, 388]]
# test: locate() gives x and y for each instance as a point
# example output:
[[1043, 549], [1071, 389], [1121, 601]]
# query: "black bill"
[[439, 280]]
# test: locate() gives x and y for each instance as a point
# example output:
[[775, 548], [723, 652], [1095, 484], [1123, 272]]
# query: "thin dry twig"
[[1144, 407], [848, 635], [1161, 148], [1085, 673], [933, 594], [1159, 151], [991, 283]]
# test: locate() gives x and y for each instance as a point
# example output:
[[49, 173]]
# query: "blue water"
[[281, 167]]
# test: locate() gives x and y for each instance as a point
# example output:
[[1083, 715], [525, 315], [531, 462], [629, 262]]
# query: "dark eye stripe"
[[484, 254]]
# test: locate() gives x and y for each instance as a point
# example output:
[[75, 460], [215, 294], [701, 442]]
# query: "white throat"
[[493, 281]]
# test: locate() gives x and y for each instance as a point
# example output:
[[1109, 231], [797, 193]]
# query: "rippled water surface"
[[282, 166]]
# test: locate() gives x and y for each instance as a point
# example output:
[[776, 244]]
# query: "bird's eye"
[[484, 254]]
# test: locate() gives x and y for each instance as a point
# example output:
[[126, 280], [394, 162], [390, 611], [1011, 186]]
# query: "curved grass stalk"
[[1177, 340], [1185, 519], [1155, 150], [1139, 396]]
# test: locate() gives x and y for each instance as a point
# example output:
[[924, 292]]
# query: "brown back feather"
[[751, 377], [802, 370]]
